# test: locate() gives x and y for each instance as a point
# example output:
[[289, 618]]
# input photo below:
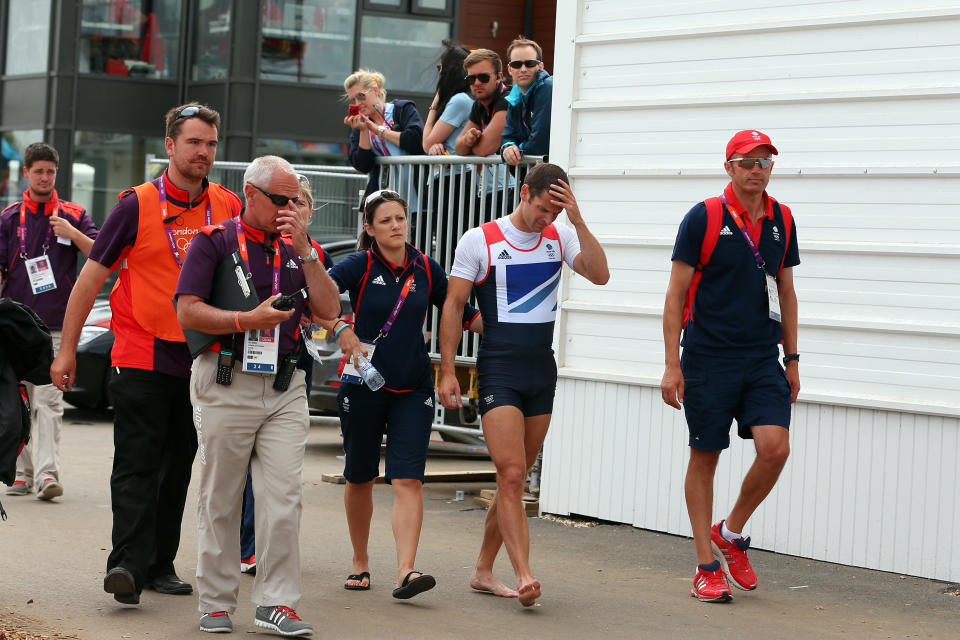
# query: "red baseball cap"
[[748, 140]]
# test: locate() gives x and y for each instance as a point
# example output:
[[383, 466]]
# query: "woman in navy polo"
[[385, 274]]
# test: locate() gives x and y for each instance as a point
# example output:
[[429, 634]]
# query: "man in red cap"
[[731, 293]]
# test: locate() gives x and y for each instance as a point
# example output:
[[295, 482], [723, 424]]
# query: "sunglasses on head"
[[484, 78], [529, 64], [187, 112], [276, 198], [382, 194], [750, 163]]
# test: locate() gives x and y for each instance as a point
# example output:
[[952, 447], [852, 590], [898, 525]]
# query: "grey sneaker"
[[283, 620], [49, 489], [216, 622], [18, 488]]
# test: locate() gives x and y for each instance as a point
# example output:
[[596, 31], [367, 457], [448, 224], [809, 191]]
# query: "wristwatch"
[[313, 256], [790, 357]]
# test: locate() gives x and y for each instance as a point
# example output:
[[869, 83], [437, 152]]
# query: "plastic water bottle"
[[369, 374]]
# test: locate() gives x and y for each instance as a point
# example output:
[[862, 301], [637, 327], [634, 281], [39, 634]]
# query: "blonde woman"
[[381, 128]]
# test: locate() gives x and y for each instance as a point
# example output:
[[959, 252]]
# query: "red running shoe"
[[710, 586], [733, 558], [249, 565]]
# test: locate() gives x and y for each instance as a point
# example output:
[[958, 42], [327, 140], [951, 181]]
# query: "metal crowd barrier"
[[447, 196], [335, 192]]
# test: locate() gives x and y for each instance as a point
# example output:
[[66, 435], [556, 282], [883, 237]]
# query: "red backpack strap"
[[710, 236], [788, 228]]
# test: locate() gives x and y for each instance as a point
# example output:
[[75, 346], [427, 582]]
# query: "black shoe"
[[120, 583], [169, 584]]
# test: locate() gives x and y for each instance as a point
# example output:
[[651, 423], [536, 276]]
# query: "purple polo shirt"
[[208, 249], [49, 305]]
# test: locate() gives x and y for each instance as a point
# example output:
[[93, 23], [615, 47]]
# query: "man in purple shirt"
[[40, 239], [247, 412]]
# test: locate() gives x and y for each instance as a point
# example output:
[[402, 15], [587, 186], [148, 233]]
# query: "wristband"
[[236, 321], [790, 357], [336, 334]]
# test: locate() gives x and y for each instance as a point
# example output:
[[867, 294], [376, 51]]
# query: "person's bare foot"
[[528, 593], [488, 583]]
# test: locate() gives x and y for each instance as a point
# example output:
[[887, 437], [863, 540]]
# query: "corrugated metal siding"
[[862, 487], [863, 101]]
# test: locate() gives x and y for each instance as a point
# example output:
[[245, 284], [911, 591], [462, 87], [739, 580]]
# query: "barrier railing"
[[335, 192], [448, 195]]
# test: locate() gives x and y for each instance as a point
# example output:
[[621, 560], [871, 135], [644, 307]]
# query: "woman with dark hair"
[[449, 113], [450, 109], [391, 285]]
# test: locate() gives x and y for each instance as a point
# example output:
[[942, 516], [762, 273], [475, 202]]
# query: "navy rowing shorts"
[[365, 416], [718, 389], [523, 381]]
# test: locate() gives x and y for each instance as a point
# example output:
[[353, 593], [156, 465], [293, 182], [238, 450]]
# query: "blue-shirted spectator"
[[527, 131]]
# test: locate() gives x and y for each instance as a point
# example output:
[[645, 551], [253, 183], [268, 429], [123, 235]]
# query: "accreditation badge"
[[260, 350], [40, 272], [773, 298]]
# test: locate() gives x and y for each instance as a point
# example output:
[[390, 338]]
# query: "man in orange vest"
[[146, 237]]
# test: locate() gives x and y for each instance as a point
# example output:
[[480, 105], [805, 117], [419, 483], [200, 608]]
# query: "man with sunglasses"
[[146, 237], [527, 131], [743, 305], [484, 74], [250, 401]]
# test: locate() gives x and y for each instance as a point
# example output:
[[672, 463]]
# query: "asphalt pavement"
[[599, 579]]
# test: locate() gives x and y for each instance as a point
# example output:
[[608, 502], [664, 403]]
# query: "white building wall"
[[863, 101]]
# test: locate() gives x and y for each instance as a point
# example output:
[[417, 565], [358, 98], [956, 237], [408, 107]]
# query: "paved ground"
[[610, 581]]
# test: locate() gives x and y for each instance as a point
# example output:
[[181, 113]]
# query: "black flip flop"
[[359, 578], [409, 588]]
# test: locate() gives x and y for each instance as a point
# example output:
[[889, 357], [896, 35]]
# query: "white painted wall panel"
[[863, 100], [852, 57], [867, 488], [613, 16], [809, 134]]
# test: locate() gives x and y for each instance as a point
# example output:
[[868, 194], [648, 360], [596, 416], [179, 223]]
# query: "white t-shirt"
[[472, 260]]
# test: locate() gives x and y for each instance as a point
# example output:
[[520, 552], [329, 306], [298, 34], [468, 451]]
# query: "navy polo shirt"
[[374, 285], [730, 315]]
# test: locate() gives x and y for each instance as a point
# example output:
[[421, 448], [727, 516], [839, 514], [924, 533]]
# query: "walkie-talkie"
[[225, 365], [285, 303], [285, 371]]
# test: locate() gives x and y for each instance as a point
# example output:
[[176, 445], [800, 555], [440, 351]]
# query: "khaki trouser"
[[245, 423], [40, 459]]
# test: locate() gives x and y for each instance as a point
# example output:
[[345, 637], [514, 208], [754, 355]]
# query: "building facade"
[[863, 101], [95, 77]]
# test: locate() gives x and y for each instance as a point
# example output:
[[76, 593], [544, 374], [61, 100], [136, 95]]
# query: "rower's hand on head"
[[561, 195]]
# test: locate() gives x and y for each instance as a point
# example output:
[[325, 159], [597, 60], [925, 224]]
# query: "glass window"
[[438, 7], [307, 40], [138, 38], [211, 45], [104, 164], [404, 50], [12, 182], [28, 36]]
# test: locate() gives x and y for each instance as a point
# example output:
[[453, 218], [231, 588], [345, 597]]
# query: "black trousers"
[[154, 443]]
